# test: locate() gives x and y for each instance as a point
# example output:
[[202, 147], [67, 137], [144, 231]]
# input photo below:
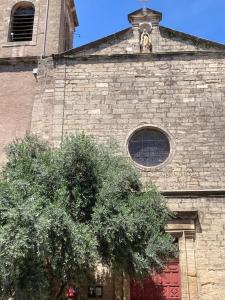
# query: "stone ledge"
[[140, 56], [19, 44], [18, 60], [194, 193]]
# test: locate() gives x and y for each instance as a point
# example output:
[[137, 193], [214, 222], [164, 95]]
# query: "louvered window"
[[22, 24]]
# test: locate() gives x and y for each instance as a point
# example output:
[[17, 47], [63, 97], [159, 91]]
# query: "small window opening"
[[22, 24]]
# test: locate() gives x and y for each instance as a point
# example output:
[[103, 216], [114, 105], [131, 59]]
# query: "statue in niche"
[[146, 44]]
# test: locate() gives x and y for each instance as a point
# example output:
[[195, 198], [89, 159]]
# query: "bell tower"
[[29, 30], [36, 28]]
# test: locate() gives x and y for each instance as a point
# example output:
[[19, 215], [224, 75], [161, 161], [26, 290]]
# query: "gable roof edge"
[[144, 10], [167, 30], [98, 42], [191, 37], [143, 56]]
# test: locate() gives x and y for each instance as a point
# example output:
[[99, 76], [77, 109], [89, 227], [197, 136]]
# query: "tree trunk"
[[57, 286]]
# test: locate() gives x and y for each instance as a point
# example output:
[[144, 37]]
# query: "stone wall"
[[201, 252], [183, 94], [202, 258], [120, 43], [110, 92], [16, 102], [163, 40], [109, 97]]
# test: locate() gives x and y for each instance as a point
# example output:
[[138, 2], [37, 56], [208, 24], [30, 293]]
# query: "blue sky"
[[99, 18]]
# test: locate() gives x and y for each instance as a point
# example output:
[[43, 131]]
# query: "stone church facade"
[[160, 93]]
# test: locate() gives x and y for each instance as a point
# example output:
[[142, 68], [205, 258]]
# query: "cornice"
[[217, 193], [18, 60], [139, 56]]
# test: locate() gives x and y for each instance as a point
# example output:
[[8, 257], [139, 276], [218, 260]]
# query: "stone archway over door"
[[165, 286]]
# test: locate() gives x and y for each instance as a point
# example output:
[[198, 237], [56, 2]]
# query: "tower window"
[[22, 23]]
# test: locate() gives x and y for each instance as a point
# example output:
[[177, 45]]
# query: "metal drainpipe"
[[46, 29]]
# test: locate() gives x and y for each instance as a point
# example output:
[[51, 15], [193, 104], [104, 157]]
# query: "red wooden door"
[[165, 286]]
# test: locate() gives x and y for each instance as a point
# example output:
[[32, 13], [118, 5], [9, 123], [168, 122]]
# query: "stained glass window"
[[149, 147]]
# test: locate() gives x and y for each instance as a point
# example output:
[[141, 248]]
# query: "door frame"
[[183, 227]]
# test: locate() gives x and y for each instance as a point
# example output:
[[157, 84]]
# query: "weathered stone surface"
[[183, 94], [206, 252], [108, 89], [16, 102], [111, 97], [18, 59], [58, 14]]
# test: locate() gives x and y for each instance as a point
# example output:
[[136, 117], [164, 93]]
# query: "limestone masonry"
[[146, 78]]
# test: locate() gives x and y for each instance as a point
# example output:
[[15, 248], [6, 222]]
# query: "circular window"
[[149, 147]]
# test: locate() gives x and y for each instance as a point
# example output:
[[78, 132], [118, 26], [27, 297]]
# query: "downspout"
[[46, 29]]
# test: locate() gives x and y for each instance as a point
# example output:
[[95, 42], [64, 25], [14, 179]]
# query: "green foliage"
[[64, 210]]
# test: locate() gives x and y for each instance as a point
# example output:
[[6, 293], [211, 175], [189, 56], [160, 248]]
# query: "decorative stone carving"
[[145, 43]]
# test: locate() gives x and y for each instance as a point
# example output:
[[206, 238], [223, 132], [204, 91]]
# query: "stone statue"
[[146, 45]]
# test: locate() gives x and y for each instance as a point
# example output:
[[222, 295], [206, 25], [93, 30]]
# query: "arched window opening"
[[22, 23]]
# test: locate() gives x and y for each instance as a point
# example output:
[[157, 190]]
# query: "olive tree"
[[64, 210]]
